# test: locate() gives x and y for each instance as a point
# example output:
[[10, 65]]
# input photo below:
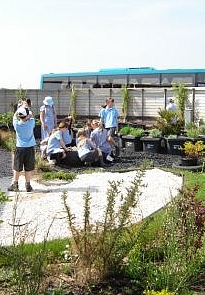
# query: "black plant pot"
[[151, 144], [174, 144], [128, 140], [189, 161]]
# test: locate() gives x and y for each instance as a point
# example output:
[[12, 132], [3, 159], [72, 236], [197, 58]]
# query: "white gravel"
[[42, 210]]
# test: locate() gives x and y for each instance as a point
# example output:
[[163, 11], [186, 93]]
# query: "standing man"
[[24, 155], [171, 106]]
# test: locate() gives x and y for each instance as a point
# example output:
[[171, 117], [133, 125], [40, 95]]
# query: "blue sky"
[[59, 36]]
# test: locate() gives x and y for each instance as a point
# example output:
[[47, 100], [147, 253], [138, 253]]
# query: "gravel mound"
[[43, 210]]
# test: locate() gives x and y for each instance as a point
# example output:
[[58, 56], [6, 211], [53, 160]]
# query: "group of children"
[[92, 144]]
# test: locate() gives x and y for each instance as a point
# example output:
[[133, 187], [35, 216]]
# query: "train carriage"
[[130, 77]]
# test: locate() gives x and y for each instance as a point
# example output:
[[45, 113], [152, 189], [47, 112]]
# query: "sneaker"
[[109, 158], [29, 188], [14, 187]]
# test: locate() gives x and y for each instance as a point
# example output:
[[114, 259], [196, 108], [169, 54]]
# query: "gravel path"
[[43, 209], [6, 163]]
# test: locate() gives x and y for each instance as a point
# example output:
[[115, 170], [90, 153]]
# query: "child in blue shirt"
[[24, 155]]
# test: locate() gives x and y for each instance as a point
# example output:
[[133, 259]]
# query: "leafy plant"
[[125, 101], [6, 119], [128, 130], [7, 139], [193, 150], [162, 292], [73, 99], [155, 132], [59, 175], [101, 247], [137, 132], [202, 129], [192, 130], [125, 130], [181, 93], [168, 122]]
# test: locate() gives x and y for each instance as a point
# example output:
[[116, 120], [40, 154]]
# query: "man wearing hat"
[[24, 155], [171, 105], [48, 117]]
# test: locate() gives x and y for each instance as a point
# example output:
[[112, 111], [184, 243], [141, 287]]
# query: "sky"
[[62, 36]]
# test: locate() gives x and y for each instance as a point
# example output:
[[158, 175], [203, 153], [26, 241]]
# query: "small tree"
[[73, 104], [181, 93], [125, 101]]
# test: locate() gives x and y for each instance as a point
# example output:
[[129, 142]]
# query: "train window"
[[153, 79], [200, 79], [171, 79], [107, 85], [52, 85], [97, 85]]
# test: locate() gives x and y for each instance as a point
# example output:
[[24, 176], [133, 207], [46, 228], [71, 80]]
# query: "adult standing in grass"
[[24, 155], [48, 117]]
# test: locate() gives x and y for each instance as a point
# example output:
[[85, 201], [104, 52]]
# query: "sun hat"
[[23, 112], [48, 100], [62, 125]]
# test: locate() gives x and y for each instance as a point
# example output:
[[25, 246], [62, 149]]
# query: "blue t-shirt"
[[54, 145], [24, 132], [99, 138], [67, 137], [109, 117]]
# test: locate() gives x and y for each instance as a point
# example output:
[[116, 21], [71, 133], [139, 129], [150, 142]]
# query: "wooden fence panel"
[[143, 103]]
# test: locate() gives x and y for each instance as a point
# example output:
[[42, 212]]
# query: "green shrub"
[[137, 132], [59, 175], [125, 130], [100, 248], [162, 292], [155, 132], [202, 129]]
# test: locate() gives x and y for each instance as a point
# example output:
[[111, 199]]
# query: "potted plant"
[[132, 135], [193, 151], [152, 142]]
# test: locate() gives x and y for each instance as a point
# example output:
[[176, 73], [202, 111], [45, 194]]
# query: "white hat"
[[48, 100], [23, 112]]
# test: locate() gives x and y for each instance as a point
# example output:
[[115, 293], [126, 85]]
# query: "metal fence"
[[144, 104]]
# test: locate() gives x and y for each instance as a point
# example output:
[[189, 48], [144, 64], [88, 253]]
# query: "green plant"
[[202, 129], [6, 119], [155, 132], [21, 93], [100, 248], [128, 130], [125, 130], [181, 93], [59, 175], [162, 292], [193, 150], [193, 132], [73, 99], [41, 164], [137, 132], [168, 122], [125, 102], [7, 139]]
